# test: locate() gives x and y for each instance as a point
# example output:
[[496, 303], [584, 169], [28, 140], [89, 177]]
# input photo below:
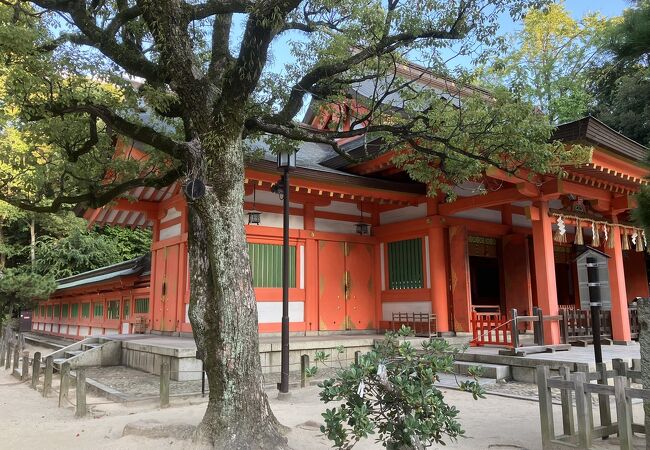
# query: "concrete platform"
[[523, 367], [147, 352]]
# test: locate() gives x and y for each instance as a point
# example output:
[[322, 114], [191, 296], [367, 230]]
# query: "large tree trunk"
[[223, 310]]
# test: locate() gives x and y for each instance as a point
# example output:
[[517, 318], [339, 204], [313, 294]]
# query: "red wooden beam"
[[507, 195]]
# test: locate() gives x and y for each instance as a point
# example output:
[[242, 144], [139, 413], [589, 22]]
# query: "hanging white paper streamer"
[[381, 372], [561, 226], [645, 239], [361, 389], [605, 231], [634, 237]]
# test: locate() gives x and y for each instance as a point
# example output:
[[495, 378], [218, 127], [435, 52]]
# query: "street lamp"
[[286, 162], [362, 227]]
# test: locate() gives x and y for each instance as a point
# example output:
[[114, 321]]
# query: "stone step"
[[494, 371], [72, 353], [90, 346]]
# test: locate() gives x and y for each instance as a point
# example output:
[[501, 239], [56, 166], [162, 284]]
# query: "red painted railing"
[[491, 329]]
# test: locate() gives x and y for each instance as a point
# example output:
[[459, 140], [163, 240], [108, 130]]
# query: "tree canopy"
[[547, 61], [111, 95]]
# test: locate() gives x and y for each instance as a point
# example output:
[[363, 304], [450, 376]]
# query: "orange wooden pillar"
[[545, 268], [311, 271], [460, 281], [620, 318], [516, 274], [438, 275]]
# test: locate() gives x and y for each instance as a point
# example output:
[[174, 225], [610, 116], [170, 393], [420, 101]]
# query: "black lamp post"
[[286, 162]]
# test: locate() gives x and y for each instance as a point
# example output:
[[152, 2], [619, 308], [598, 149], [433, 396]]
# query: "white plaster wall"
[[109, 331], [521, 221], [169, 232], [172, 213], [96, 331], [187, 313], [403, 214], [335, 226], [63, 329], [126, 328], [84, 331], [48, 327], [268, 219], [388, 308], [72, 330], [269, 198], [483, 214], [343, 208], [271, 312]]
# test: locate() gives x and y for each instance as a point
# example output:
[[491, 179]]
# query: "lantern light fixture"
[[287, 160], [362, 228]]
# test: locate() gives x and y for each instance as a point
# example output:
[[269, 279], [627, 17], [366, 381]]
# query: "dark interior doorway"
[[565, 283], [485, 281]]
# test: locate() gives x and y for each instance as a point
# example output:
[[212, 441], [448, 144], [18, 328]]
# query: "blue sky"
[[578, 8]]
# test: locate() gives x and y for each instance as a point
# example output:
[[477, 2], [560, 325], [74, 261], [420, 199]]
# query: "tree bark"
[[32, 240], [223, 309], [643, 309], [3, 255]]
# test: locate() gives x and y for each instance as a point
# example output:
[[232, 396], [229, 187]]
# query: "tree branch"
[[94, 199], [142, 133]]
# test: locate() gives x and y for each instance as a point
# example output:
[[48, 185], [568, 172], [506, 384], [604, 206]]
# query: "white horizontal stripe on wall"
[[335, 226], [271, 312], [84, 331], [388, 308], [169, 232], [402, 214], [172, 213], [72, 330], [63, 329], [268, 219]]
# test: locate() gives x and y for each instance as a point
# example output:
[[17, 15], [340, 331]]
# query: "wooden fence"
[[578, 386]]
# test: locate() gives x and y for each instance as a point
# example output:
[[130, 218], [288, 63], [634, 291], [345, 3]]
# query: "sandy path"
[[27, 420]]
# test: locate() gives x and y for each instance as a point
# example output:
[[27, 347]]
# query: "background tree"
[[170, 74], [547, 61], [621, 84]]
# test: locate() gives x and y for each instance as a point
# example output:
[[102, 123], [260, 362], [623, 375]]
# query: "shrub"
[[392, 392]]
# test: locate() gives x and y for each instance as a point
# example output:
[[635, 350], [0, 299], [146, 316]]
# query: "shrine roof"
[[136, 266], [592, 131]]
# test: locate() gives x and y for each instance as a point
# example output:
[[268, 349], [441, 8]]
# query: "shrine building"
[[366, 242]]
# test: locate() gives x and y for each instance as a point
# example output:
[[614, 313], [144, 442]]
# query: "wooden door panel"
[[360, 305], [171, 287], [331, 282], [158, 307]]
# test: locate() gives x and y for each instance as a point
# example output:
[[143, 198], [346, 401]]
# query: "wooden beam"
[[148, 207], [495, 198], [623, 203]]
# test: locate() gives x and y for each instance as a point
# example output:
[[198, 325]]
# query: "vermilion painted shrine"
[[510, 248]]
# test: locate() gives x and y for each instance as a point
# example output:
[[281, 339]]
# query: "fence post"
[[568, 423], [164, 384], [603, 400], [25, 369], [36, 369], [47, 376], [64, 387], [3, 345], [623, 413], [8, 356], [81, 409], [636, 365], [583, 410], [16, 358], [564, 326], [540, 326], [514, 328], [545, 406], [304, 365], [357, 357], [620, 367]]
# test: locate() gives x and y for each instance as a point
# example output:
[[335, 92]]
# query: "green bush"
[[392, 393]]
